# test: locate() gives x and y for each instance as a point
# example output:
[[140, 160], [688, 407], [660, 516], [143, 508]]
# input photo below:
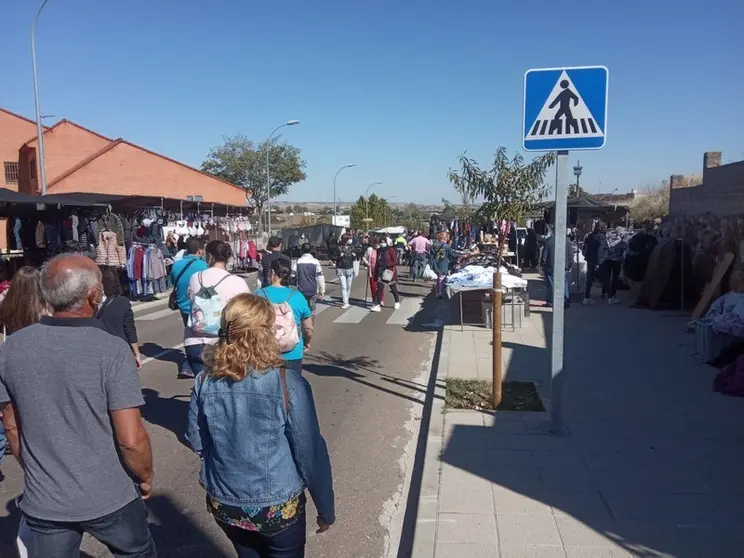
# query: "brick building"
[[721, 191], [80, 160]]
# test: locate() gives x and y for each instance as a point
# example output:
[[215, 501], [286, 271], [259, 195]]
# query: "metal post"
[[268, 184], [39, 125], [496, 342], [681, 242], [559, 289]]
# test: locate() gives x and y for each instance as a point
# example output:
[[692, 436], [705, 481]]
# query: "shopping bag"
[[429, 274], [356, 268]]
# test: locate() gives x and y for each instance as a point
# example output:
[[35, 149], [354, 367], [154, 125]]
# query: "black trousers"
[[611, 277]]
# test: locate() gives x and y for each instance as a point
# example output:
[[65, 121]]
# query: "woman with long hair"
[[24, 304], [255, 427], [115, 312], [208, 293], [285, 299]]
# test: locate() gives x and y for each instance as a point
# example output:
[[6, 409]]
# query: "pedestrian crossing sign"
[[565, 109]]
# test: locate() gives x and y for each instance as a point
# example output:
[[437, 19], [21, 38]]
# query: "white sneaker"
[[345, 306], [587, 302], [613, 300], [376, 308], [396, 305]]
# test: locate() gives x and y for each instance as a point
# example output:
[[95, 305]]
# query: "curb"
[[428, 505]]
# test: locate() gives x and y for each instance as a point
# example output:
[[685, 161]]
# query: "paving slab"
[[650, 465]]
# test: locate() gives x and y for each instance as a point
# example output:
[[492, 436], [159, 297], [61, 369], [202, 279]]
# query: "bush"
[[648, 208]]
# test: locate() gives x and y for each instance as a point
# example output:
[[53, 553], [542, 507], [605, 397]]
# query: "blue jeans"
[[124, 532], [346, 278], [418, 264], [550, 287], [285, 543], [194, 358], [3, 442]]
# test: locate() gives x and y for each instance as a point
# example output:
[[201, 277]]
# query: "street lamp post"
[[39, 125], [577, 172], [366, 199], [268, 169], [335, 206]]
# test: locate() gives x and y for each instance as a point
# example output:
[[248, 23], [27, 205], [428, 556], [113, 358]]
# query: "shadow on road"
[[162, 354], [175, 534], [170, 413]]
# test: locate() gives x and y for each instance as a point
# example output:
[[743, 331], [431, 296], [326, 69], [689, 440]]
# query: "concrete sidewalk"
[[652, 464]]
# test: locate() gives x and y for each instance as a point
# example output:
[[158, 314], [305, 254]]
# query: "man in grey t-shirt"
[[70, 396]]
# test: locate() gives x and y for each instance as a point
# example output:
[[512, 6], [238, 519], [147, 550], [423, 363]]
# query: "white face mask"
[[349, 242], [383, 244]]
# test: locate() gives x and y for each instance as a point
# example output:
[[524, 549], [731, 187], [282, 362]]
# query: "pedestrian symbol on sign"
[[564, 98], [564, 115]]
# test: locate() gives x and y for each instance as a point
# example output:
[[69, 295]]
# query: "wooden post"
[[496, 324]]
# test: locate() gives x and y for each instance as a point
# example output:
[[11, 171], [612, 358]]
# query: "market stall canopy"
[[121, 202], [10, 199]]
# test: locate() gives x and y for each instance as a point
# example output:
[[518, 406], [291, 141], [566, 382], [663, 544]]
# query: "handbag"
[[173, 298], [388, 275]]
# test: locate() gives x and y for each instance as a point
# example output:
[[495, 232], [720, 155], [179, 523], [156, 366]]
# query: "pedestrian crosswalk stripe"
[[409, 307], [155, 315], [353, 315], [565, 114], [321, 307]]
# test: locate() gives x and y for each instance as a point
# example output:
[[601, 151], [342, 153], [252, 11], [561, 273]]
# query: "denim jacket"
[[255, 453]]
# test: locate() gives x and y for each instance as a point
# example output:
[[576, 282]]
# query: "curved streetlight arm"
[[268, 170], [366, 199], [335, 208], [39, 125]]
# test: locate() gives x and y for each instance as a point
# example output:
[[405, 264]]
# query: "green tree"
[[243, 163], [576, 191], [510, 188], [376, 207]]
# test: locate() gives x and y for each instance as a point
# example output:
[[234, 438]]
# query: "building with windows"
[[79, 160]]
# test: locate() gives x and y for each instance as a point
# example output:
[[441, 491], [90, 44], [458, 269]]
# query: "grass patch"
[[476, 394]]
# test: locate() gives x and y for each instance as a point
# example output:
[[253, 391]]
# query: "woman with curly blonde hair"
[[255, 427]]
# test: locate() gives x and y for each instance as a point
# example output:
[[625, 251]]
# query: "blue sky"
[[400, 88]]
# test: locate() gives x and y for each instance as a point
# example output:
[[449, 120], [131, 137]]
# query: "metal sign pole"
[[559, 289]]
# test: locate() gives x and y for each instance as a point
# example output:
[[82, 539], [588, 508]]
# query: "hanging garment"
[[108, 252]]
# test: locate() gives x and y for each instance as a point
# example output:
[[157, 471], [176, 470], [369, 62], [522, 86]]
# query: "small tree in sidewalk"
[[509, 189]]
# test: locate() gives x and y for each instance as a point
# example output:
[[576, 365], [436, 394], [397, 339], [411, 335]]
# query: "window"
[[11, 172], [32, 169]]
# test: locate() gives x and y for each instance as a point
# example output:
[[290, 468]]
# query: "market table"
[[511, 292]]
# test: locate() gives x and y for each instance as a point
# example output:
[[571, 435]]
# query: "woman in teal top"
[[279, 293]]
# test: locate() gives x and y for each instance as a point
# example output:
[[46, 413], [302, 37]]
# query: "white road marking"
[[140, 306], [409, 306], [353, 315], [162, 353], [321, 307], [156, 315]]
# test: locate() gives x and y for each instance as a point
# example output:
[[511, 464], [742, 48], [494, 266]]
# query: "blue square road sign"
[[565, 109]]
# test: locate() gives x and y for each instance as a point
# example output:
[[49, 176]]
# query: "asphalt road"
[[369, 373]]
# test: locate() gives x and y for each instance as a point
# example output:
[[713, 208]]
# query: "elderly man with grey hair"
[[70, 396]]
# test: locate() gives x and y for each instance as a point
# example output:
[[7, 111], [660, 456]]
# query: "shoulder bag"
[[173, 298]]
